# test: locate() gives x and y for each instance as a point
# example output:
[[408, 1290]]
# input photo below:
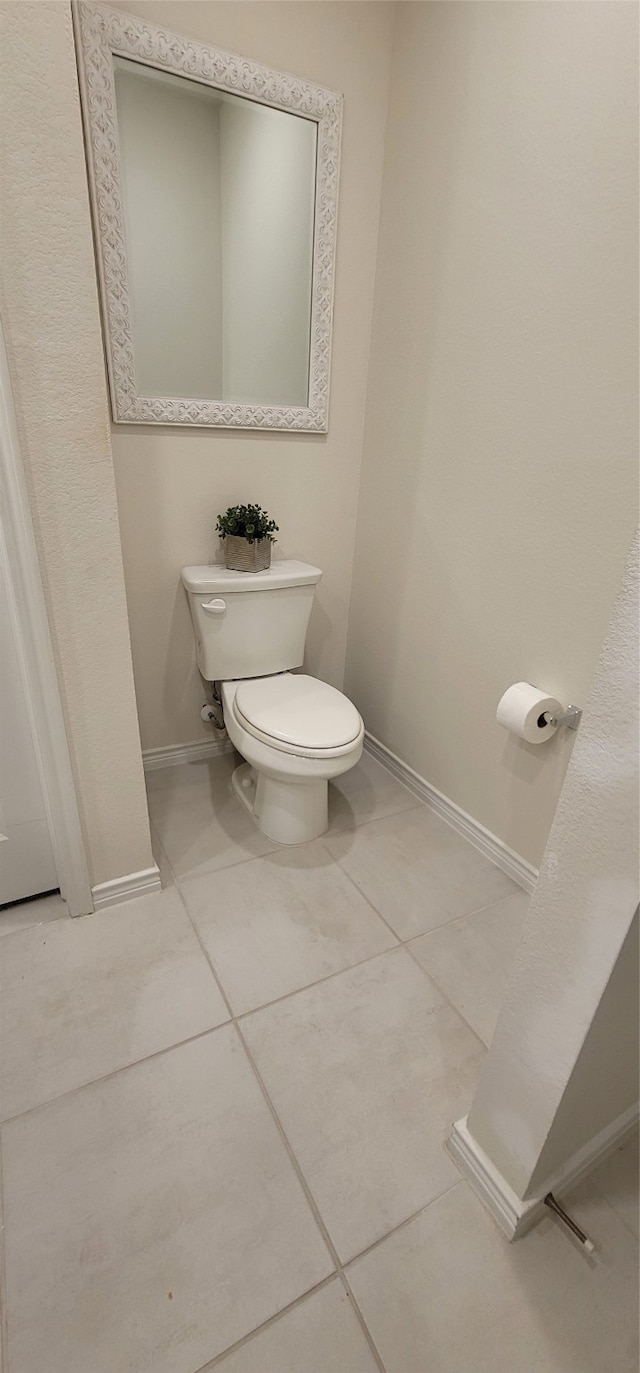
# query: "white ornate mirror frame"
[[102, 34]]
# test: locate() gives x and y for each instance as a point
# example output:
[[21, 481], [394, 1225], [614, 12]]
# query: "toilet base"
[[287, 812]]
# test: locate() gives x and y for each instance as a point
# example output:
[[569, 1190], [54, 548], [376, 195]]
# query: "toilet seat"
[[298, 715]]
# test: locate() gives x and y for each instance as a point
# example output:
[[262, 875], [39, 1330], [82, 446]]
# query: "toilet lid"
[[297, 712]]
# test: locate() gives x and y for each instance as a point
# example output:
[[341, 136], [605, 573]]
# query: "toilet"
[[293, 731]]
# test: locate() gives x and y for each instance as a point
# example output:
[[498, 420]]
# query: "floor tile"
[[470, 959], [152, 1220], [321, 1334], [202, 826], [83, 997], [367, 1072], [448, 1294], [617, 1179], [365, 793], [281, 922], [39, 911], [417, 871]]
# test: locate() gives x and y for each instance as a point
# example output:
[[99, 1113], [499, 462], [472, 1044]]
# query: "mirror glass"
[[218, 198]]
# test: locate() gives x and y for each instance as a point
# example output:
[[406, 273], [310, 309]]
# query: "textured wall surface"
[[172, 482], [50, 313], [559, 1018], [499, 474]]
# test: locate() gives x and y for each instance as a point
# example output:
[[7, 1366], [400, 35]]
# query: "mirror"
[[214, 189], [218, 196]]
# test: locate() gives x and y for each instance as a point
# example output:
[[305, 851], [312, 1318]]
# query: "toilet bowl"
[[293, 731]]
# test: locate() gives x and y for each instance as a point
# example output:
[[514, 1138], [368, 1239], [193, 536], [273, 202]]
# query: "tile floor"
[[224, 1109]]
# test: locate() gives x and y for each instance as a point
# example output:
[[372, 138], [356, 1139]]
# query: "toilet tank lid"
[[214, 577]]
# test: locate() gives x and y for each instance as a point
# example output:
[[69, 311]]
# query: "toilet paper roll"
[[524, 710]]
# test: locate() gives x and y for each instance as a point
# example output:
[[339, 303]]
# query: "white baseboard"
[[125, 888], [515, 1216], [173, 754], [515, 867], [593, 1153], [512, 1214]]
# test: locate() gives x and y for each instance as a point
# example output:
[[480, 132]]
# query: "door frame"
[[27, 607]]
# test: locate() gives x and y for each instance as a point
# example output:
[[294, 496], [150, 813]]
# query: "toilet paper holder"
[[570, 716]]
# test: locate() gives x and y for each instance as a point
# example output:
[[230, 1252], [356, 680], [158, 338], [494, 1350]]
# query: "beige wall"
[[499, 475], [171, 483], [50, 314], [563, 1062]]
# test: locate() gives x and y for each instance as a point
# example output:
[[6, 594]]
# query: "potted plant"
[[248, 534]]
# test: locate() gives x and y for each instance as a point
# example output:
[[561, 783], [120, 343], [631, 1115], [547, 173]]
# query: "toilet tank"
[[250, 624]]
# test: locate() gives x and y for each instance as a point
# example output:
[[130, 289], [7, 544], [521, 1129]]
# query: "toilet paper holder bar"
[[570, 716]]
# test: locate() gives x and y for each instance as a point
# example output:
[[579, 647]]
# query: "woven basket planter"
[[242, 556]]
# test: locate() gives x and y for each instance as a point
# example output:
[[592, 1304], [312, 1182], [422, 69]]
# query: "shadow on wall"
[[408, 541], [499, 375], [182, 681], [526, 766]]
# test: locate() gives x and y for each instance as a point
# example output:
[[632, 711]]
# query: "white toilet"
[[295, 732]]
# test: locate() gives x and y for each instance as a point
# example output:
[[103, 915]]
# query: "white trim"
[[27, 605], [515, 867], [593, 1153], [125, 888], [514, 1215], [174, 754], [101, 34]]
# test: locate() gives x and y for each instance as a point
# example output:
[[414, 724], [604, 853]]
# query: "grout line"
[[405, 944], [339, 1268], [402, 1224], [211, 872], [311, 1202], [400, 943], [233, 1019], [495, 850], [319, 981], [211, 1029], [278, 848], [445, 996], [333, 1253], [106, 1077], [242, 1015], [468, 915], [351, 826], [363, 1324], [257, 1075], [264, 1325], [442, 926], [339, 1275], [197, 936]]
